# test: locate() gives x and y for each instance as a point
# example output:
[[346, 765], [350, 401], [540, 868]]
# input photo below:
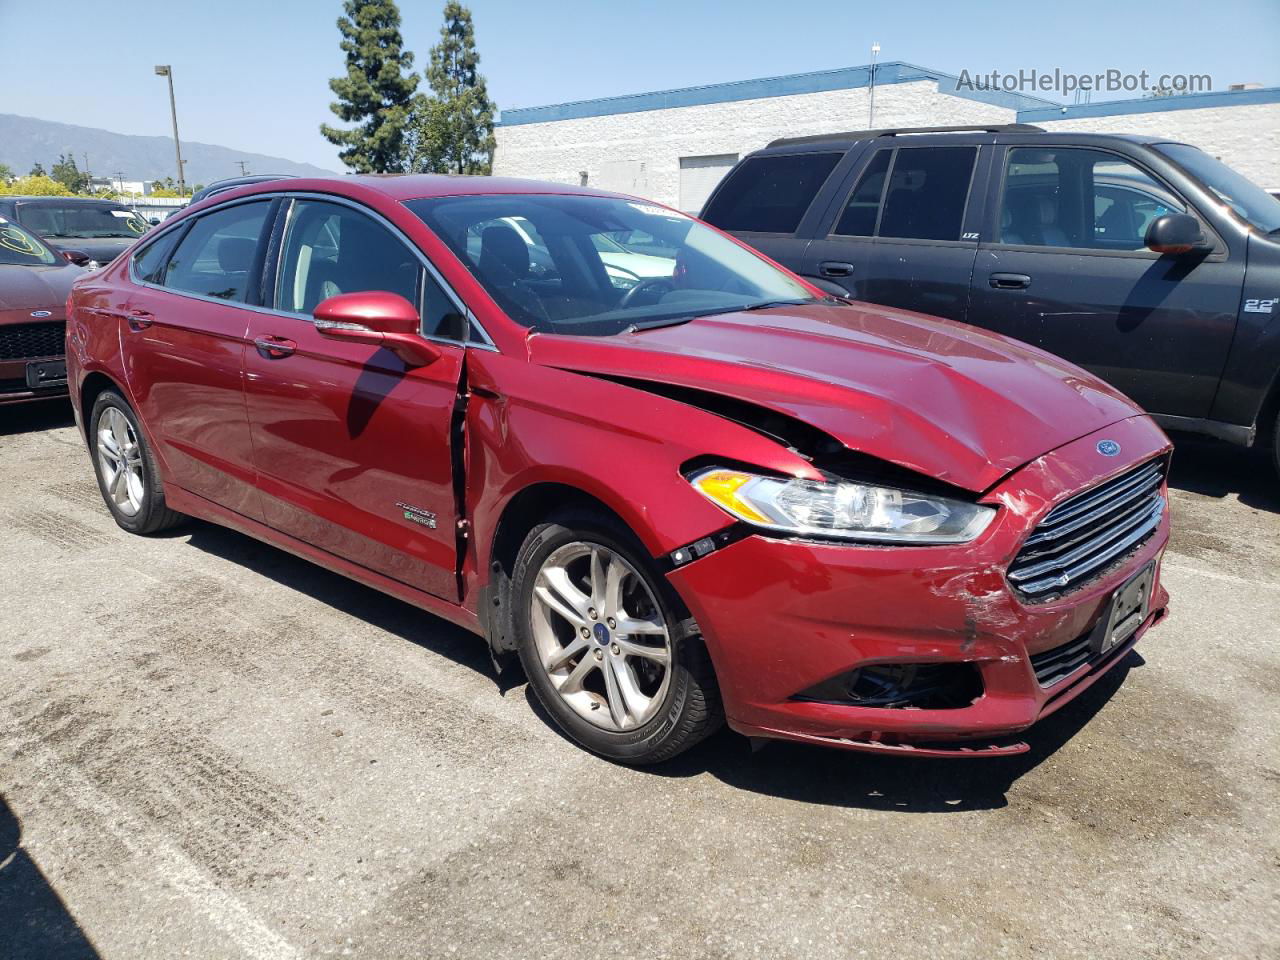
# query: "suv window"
[[331, 249], [1073, 197], [924, 199], [928, 187], [770, 194], [863, 208], [216, 256]]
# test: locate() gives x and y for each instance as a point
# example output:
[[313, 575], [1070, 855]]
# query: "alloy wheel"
[[601, 636], [120, 460]]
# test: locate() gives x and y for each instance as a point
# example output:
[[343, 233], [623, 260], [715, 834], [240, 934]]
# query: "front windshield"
[[81, 221], [19, 248], [555, 263], [1248, 201]]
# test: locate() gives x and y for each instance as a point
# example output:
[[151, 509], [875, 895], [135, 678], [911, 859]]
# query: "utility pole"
[[244, 167], [871, 111], [167, 71]]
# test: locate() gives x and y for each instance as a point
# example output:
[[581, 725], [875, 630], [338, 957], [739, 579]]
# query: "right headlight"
[[841, 508]]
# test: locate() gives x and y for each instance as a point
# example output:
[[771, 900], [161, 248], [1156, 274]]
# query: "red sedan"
[[34, 284], [680, 483]]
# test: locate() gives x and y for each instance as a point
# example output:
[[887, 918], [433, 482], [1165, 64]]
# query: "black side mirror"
[[78, 257], [1176, 233]]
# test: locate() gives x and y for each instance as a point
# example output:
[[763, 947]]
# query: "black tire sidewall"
[[153, 513], [633, 746]]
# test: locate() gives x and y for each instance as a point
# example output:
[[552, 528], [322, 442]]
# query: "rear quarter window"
[[770, 194]]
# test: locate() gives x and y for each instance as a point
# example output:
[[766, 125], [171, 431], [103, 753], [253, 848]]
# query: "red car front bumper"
[[781, 616]]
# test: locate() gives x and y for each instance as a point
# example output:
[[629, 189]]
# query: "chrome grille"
[[1083, 537], [25, 341]]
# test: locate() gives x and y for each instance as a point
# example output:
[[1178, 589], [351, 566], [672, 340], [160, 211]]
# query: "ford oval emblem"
[[1108, 448], [41, 314]]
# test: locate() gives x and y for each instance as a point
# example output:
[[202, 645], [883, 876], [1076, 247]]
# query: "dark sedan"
[[101, 229], [34, 284]]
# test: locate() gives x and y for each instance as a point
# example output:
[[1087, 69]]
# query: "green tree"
[[36, 185], [6, 173], [377, 92], [38, 170], [68, 174], [452, 129]]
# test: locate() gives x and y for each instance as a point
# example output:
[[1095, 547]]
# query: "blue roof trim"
[[845, 78], [1187, 101]]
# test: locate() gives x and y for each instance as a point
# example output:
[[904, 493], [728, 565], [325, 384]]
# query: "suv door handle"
[[835, 268], [275, 348], [1010, 281], [139, 320]]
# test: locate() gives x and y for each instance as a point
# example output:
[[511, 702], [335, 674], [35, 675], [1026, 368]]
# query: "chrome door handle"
[[275, 348]]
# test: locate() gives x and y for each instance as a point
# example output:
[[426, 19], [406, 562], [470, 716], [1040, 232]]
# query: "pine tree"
[[378, 90], [68, 174], [452, 130]]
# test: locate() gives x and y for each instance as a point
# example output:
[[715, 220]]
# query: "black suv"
[[1147, 262], [89, 229]]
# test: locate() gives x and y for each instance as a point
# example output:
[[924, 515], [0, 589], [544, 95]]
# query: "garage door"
[[699, 176]]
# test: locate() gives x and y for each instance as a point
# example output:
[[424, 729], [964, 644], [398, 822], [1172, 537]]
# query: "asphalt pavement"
[[211, 749]]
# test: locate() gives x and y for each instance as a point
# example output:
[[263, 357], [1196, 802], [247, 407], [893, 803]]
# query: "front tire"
[[126, 468], [602, 639]]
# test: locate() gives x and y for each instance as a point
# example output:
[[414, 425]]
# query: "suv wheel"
[[126, 469], [601, 641]]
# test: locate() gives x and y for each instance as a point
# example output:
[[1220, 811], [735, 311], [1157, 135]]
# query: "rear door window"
[[770, 194], [150, 261], [216, 257], [863, 209], [927, 190]]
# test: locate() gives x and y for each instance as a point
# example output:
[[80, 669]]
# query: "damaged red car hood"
[[944, 399]]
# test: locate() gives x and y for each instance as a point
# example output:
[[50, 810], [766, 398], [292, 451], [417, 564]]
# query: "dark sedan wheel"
[[126, 469], [602, 643]]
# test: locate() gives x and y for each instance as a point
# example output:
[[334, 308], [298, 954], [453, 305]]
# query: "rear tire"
[[602, 638], [126, 468]]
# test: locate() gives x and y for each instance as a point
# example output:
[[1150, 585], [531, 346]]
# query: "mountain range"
[[25, 141]]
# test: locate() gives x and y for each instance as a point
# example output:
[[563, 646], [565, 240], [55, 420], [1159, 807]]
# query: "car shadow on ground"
[[34, 922], [342, 593], [845, 778], [1216, 469], [795, 771], [36, 416]]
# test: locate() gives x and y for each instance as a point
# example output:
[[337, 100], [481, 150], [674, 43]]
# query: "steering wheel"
[[649, 283]]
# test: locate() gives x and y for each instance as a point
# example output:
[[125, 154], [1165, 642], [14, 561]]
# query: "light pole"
[[871, 110], [167, 71]]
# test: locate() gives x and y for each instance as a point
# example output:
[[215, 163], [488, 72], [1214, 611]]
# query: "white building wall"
[[645, 147], [1246, 137]]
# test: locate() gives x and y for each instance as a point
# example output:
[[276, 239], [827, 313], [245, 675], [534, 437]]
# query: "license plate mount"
[[1126, 612], [43, 374]]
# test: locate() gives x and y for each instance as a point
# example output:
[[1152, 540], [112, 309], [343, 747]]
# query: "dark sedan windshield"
[[19, 248], [564, 264], [1246, 199], [81, 221]]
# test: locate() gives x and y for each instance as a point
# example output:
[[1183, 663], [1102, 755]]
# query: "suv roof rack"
[[897, 131]]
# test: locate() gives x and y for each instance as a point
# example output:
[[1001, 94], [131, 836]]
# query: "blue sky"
[[253, 74]]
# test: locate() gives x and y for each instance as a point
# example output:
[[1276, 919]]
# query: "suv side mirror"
[[1176, 233], [379, 319], [78, 257]]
